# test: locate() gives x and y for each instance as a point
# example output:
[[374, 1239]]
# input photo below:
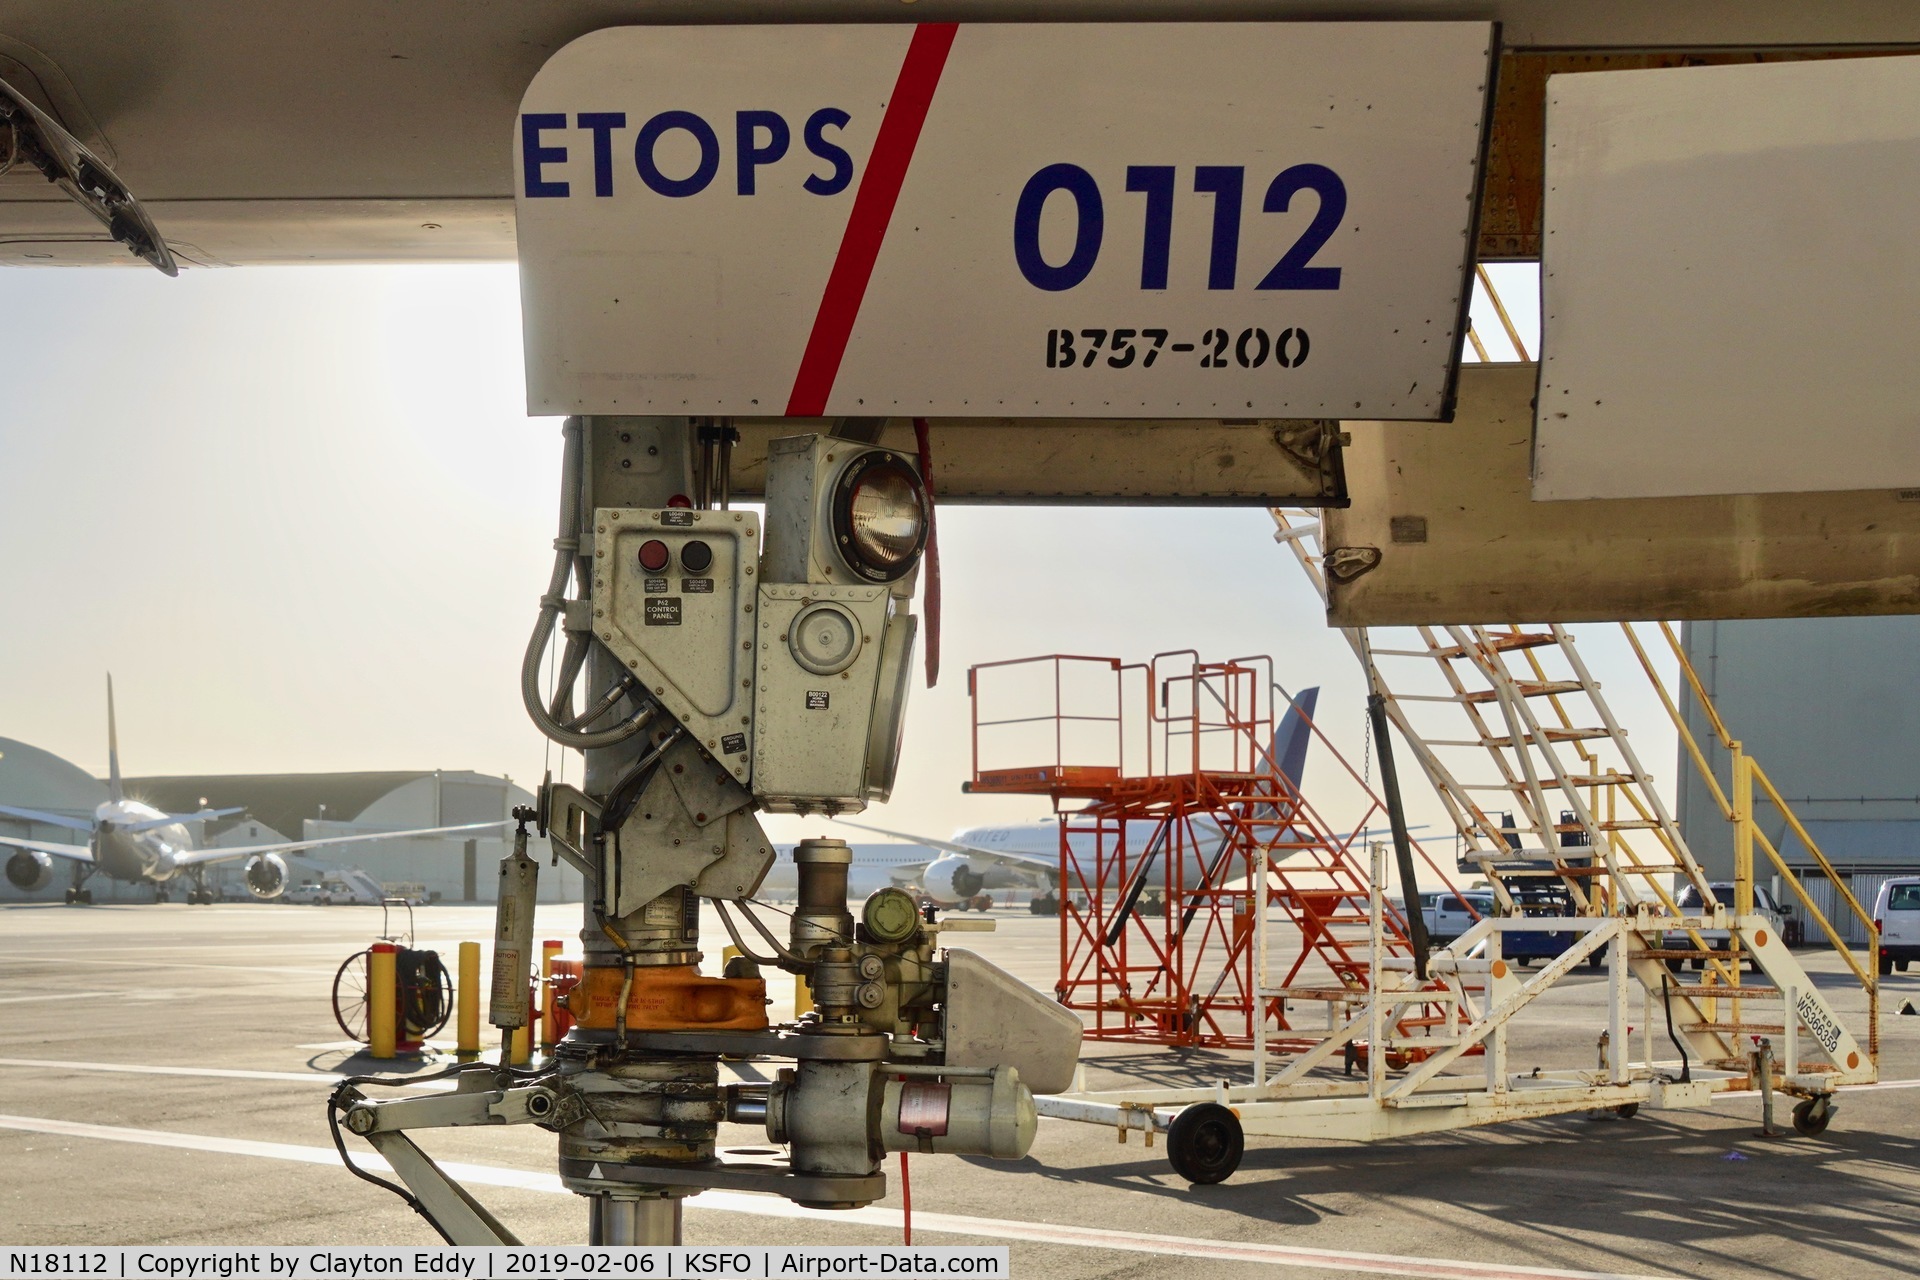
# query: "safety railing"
[[1215, 717], [1055, 695], [1737, 807]]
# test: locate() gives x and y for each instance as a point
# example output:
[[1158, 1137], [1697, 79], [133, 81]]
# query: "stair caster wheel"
[[1810, 1117], [1627, 1110], [1205, 1143]]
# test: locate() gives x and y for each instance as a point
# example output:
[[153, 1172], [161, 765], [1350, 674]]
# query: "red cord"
[[906, 1203], [922, 439]]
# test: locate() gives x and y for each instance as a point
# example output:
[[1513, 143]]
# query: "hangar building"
[[1828, 707]]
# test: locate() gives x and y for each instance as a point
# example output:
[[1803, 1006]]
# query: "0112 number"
[[1225, 183]]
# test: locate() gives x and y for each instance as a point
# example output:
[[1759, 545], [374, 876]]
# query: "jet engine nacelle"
[[950, 880], [29, 869], [266, 875]]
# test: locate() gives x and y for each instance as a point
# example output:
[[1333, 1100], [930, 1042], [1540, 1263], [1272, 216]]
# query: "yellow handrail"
[[1738, 809], [1819, 858]]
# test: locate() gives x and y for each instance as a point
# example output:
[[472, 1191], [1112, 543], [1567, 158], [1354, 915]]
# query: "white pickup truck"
[[1764, 906], [1448, 915]]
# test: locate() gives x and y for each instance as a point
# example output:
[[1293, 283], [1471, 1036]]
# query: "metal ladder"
[[1549, 797]]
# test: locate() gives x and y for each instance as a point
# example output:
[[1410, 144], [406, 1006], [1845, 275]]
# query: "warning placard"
[[1080, 220]]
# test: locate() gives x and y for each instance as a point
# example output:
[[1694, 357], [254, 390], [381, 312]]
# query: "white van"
[[1896, 912]]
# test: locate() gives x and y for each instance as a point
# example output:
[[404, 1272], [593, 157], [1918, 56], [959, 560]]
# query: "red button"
[[653, 555]]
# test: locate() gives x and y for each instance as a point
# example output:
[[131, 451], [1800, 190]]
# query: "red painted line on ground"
[[872, 211]]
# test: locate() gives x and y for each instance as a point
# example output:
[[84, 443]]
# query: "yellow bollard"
[[548, 1030], [382, 1029], [467, 999]]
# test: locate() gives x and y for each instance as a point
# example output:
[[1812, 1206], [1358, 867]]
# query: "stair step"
[[1499, 644], [1727, 992], [1526, 689], [1738, 1028], [1683, 953]]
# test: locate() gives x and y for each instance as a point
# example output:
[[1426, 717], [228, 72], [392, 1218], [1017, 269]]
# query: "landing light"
[[880, 516]]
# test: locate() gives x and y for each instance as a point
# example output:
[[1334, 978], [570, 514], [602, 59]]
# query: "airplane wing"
[[50, 819], [197, 857], [1008, 857], [73, 852]]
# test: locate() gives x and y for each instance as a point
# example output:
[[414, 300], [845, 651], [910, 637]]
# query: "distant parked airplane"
[[136, 843]]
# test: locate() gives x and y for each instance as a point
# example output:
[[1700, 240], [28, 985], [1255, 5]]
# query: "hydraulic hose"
[[566, 547]]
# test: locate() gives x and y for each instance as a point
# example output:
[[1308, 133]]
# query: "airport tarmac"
[[163, 1070]]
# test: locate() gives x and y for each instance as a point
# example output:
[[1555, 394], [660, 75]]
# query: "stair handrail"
[[1739, 808]]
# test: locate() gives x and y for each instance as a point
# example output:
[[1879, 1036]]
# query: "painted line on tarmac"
[[217, 1073], [236, 969], [888, 1219], [64, 995], [1845, 1088]]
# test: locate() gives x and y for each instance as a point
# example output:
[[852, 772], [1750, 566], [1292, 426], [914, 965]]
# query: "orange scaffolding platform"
[[1179, 796]]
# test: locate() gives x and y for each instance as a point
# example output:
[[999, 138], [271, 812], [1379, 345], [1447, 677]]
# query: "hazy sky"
[[303, 518]]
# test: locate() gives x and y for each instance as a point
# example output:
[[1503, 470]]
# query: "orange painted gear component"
[[668, 998]]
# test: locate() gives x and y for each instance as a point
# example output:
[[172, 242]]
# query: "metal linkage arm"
[[531, 1105], [440, 1200], [457, 1216]]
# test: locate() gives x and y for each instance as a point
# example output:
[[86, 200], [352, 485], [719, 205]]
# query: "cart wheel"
[[1627, 1110], [350, 995], [1205, 1143], [1810, 1117]]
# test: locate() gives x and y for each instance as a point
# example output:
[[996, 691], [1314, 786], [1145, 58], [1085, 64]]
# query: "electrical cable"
[[340, 1145], [1666, 993], [560, 687], [739, 944], [553, 603], [906, 1203], [768, 934]]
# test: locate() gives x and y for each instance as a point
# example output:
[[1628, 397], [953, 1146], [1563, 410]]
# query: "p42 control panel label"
[[994, 220]]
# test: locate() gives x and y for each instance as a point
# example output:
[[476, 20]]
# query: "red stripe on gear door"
[[867, 225]]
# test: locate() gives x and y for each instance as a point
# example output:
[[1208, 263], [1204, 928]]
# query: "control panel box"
[[820, 657], [673, 600]]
